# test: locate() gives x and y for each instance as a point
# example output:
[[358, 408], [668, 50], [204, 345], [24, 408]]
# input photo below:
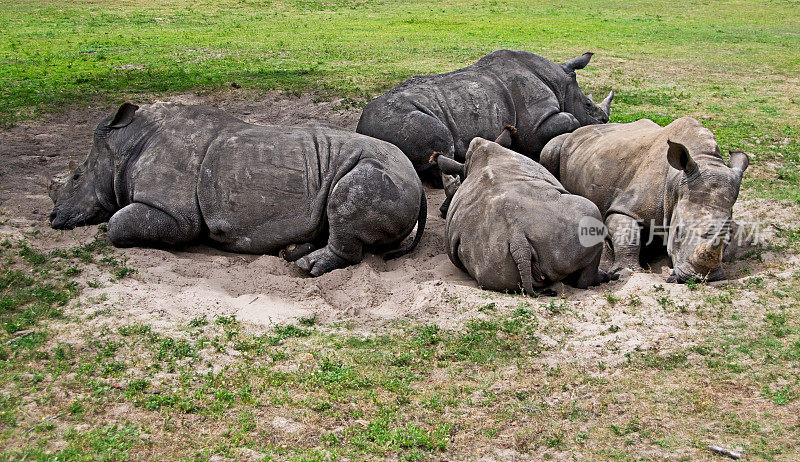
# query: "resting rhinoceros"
[[443, 113], [512, 225], [670, 181], [171, 174]]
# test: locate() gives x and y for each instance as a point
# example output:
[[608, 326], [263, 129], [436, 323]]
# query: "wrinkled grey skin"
[[671, 179], [169, 174], [512, 225], [443, 113]]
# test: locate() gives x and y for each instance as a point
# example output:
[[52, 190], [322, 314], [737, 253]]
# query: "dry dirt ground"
[[173, 286]]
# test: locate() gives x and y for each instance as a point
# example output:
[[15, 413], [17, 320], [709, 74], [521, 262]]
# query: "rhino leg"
[[591, 275], [551, 154], [557, 124], [365, 208], [533, 140], [419, 137], [625, 242], [140, 224]]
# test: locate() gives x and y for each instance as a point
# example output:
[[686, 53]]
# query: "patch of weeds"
[[783, 395], [225, 320], [31, 256], [308, 321], [199, 321], [169, 348], [623, 430], [556, 307], [72, 271], [76, 407], [119, 267], [86, 252], [385, 435], [283, 332], [665, 362], [611, 298], [555, 442], [693, 284], [333, 376], [25, 298], [428, 335]]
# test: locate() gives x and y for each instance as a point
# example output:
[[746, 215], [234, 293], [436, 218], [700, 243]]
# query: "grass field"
[[410, 391]]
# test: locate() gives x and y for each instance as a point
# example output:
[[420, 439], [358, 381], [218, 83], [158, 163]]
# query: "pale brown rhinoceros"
[[669, 181], [169, 174]]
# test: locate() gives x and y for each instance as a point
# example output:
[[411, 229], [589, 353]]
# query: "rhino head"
[[578, 104], [87, 196], [700, 222]]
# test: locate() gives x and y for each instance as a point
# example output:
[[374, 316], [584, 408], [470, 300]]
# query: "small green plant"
[[611, 298], [199, 321]]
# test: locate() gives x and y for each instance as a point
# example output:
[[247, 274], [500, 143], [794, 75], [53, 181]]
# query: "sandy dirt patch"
[[172, 287]]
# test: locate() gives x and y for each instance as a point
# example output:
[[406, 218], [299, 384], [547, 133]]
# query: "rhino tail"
[[421, 219], [506, 138], [527, 262]]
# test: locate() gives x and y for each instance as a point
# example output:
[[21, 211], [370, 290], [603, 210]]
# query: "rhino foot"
[[321, 261], [604, 277], [623, 272], [295, 251]]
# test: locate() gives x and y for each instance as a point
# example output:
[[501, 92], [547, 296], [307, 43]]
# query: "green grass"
[[57, 53], [734, 64]]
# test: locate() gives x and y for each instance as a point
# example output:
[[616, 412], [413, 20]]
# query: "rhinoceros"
[[669, 182], [511, 225], [169, 174], [443, 113]]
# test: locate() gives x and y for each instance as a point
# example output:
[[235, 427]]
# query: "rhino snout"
[[682, 275], [59, 222]]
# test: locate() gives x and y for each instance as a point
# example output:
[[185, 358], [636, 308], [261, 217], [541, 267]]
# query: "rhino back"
[[264, 187], [505, 194], [504, 87], [621, 168], [163, 150]]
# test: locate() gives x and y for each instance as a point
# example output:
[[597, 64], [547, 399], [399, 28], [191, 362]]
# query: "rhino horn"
[[51, 185], [709, 254], [605, 105], [577, 63]]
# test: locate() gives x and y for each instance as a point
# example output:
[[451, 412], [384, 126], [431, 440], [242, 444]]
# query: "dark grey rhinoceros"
[[670, 181], [443, 113], [171, 174], [512, 225]]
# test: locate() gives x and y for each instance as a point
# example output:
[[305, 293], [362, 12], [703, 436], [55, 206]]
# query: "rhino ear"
[[739, 161], [124, 115], [679, 158], [577, 63]]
